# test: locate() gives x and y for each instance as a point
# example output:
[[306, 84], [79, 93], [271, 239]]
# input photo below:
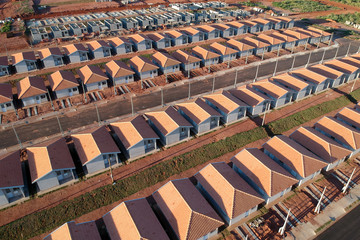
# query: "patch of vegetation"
[[349, 2], [352, 205], [342, 18], [56, 4], [323, 226], [302, 6], [25, 7], [255, 4], [6, 27]]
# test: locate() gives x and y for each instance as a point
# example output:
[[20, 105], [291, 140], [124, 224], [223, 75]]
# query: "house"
[[6, 98], [93, 78], [166, 63], [279, 95], [301, 38], [186, 211], [325, 36], [193, 34], [55, 32], [63, 84], [341, 132], [353, 62], [227, 192], [337, 77], [31, 90], [225, 30], [264, 24], [274, 44], [143, 67], [256, 101], [315, 36], [119, 72], [134, 219], [299, 88], [351, 72], [120, 45], [113, 24], [76, 52], [78, 29], [357, 106], [324, 147], [159, 40], [4, 66], [209, 32], [177, 38], [93, 27], [135, 137], [252, 27], [12, 187], [129, 23], [238, 27], [286, 22], [289, 41], [96, 149], [300, 162], [64, 30], [231, 108], [169, 125], [51, 57], [38, 34], [275, 23], [258, 46], [50, 164], [99, 49], [349, 116], [226, 53], [188, 61], [318, 82], [199, 114], [72, 230], [262, 173], [208, 57], [140, 42], [24, 61], [243, 49]]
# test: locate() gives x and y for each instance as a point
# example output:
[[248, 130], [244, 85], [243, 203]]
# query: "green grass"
[[342, 18], [302, 6], [349, 2], [352, 205], [323, 226]]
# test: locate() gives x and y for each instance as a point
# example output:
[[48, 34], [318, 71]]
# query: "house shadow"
[[347, 95]]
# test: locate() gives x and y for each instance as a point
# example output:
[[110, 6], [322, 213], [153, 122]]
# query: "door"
[[3, 108], [37, 98]]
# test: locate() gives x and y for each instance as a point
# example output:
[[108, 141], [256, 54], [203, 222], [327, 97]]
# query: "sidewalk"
[[333, 212]]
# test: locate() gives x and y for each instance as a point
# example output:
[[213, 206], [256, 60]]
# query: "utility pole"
[[292, 48], [262, 56], [352, 87], [141, 81], [114, 86], [323, 56], [348, 182], [282, 229], [267, 108], [61, 130], [358, 50], [83, 87], [256, 73], [132, 105], [17, 137], [276, 64], [166, 79], [188, 71], [318, 45], [336, 53], [318, 206], [52, 105], [111, 174], [235, 81], [189, 91], [162, 97], [332, 35], [306, 44]]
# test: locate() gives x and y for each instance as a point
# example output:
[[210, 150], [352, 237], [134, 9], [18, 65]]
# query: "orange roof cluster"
[[349, 115], [137, 38], [117, 41], [206, 28], [165, 59], [270, 88], [269, 39], [60, 80], [341, 66], [142, 64], [5, 93], [226, 102], [221, 26], [326, 71], [93, 45], [185, 57], [296, 34], [71, 230], [156, 36], [238, 45], [224, 50], [248, 95], [235, 24], [283, 37], [10, 170], [309, 75], [204, 53], [174, 34], [91, 74], [190, 31], [351, 61], [260, 21], [71, 48], [290, 81], [254, 42], [47, 52], [18, 57], [118, 69], [30, 86], [323, 33]]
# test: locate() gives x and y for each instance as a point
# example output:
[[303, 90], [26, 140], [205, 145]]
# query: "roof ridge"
[[132, 220]]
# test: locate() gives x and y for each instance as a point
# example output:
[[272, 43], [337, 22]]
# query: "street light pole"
[[347, 52], [282, 229], [276, 64], [293, 63], [348, 182], [213, 86], [267, 108], [111, 174], [132, 106], [235, 81], [318, 206], [308, 60], [17, 137], [336, 53], [352, 87]]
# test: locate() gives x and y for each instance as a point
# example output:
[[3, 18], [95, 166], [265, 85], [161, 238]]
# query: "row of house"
[[223, 195], [74, 53]]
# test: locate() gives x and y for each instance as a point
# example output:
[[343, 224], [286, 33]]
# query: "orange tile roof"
[[235, 24], [133, 130], [269, 39], [231, 193], [222, 48], [165, 59], [309, 75], [260, 21], [351, 61], [321, 145], [270, 88], [156, 36], [71, 230], [241, 46], [295, 156], [350, 115], [190, 31], [250, 96], [254, 42], [134, 220], [290, 81], [30, 86], [117, 68], [47, 52], [341, 66], [311, 33], [60, 80], [93, 45], [225, 101], [137, 38], [174, 34], [91, 143], [91, 74], [341, 131], [285, 19], [167, 120], [142, 64], [186, 210], [249, 23], [185, 57], [326, 71], [356, 56], [206, 28], [48, 156], [274, 20], [117, 41], [204, 53], [296, 34], [220, 26], [18, 57], [263, 171], [283, 37], [10, 170], [71, 48], [323, 33], [198, 110], [5, 93], [4, 61]]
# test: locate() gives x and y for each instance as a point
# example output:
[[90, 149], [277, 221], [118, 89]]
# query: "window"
[[154, 71], [42, 96], [130, 77], [104, 83], [58, 173], [74, 89], [70, 90], [2, 106], [7, 190]]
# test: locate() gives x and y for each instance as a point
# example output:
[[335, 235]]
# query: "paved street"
[[47, 127]]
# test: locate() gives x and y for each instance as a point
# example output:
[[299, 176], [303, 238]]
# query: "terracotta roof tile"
[[117, 68], [260, 21], [71, 230], [238, 45], [18, 57], [91, 74], [167, 120], [137, 38], [190, 31], [298, 158], [204, 53], [323, 33], [156, 36], [311, 33], [71, 48], [283, 37], [224, 50], [133, 130], [285, 19], [164, 59], [10, 170], [93, 45], [220, 26], [225, 101], [270, 88], [30, 86], [5, 93], [93, 142], [187, 211], [185, 57], [254, 42], [249, 23], [341, 66], [60, 80], [231, 193], [134, 220], [174, 34], [269, 39], [48, 156], [47, 52], [326, 71], [4, 61], [296, 34], [351, 61], [290, 81], [321, 145], [206, 28], [142, 64], [309, 75], [350, 116], [117, 41], [248, 95], [235, 24], [263, 171]]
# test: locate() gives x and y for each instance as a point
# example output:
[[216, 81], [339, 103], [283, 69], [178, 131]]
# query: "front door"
[[37, 98]]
